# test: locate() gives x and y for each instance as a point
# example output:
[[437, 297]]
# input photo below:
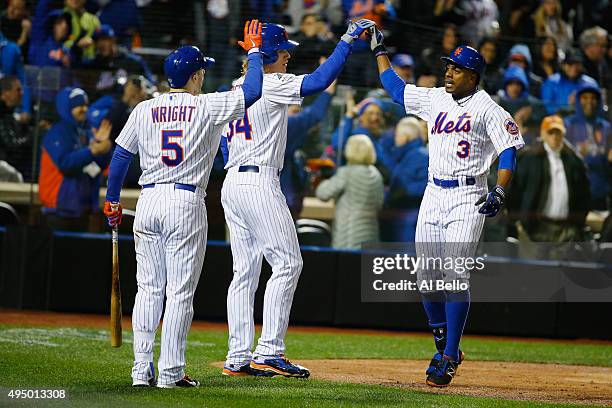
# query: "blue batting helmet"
[[466, 57], [274, 37], [181, 63]]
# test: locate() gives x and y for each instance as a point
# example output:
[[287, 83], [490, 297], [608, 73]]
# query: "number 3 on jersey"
[[172, 151], [240, 126]]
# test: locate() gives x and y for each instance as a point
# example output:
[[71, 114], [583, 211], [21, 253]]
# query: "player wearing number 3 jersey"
[[177, 136], [256, 211], [467, 131]]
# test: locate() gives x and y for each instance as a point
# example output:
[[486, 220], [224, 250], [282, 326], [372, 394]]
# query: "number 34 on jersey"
[[240, 126]]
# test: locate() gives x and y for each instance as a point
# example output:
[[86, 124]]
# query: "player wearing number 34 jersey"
[[256, 211], [467, 132], [177, 136]]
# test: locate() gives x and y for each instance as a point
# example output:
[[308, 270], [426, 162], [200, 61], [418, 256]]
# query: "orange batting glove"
[[113, 212], [252, 35]]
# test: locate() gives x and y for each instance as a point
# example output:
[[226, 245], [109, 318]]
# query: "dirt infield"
[[514, 381]]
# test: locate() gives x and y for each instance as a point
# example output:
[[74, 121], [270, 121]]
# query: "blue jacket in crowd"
[[597, 132], [293, 177], [407, 166], [44, 50], [558, 87], [11, 63], [64, 187]]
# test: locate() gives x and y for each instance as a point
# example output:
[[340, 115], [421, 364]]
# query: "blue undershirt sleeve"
[[224, 149], [323, 76], [253, 80], [507, 159], [116, 174], [394, 85]]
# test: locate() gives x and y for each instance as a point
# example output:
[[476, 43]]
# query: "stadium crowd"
[[72, 71]]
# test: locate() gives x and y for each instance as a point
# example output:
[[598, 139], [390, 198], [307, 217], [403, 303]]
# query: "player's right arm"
[[125, 149], [416, 100]]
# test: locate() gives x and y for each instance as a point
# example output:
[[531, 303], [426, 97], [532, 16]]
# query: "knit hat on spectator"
[[403, 60], [552, 122], [571, 56], [363, 105], [104, 31], [77, 97]]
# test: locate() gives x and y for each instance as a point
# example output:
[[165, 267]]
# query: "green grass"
[[82, 362]]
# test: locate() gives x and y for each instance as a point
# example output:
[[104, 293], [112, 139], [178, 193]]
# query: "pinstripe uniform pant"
[[449, 226], [170, 236], [260, 225]]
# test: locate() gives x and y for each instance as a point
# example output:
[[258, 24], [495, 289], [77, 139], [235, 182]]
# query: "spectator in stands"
[[371, 123], [113, 60], [430, 56], [476, 18], [491, 80], [222, 42], [559, 90], [15, 23], [550, 190], [124, 17], [50, 30], [403, 64], [73, 157], [293, 178], [356, 73], [116, 108], [527, 110], [547, 62], [11, 63], [594, 44], [358, 191], [548, 21], [314, 43], [517, 18], [406, 159], [520, 55], [591, 134], [15, 142], [83, 24]]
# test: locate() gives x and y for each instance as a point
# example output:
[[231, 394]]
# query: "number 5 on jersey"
[[172, 151], [240, 126]]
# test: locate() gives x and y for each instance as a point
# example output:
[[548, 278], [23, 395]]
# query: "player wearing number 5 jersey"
[[256, 211], [467, 131], [177, 136]]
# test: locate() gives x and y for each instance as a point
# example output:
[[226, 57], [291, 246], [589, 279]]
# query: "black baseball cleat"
[[184, 382], [437, 357], [443, 373]]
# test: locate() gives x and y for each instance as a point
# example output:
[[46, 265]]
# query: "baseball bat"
[[115, 316]]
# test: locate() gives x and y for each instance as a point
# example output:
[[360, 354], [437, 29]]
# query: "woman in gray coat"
[[358, 190]]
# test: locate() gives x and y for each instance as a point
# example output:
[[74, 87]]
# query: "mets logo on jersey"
[[441, 125], [511, 127]]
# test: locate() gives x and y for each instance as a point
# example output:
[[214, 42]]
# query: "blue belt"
[[248, 169], [469, 181], [177, 186]]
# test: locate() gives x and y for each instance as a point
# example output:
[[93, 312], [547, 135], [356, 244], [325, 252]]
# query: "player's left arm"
[[506, 138], [325, 74]]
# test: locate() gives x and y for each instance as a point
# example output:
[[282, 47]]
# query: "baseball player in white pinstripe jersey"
[[256, 211], [177, 136], [467, 131]]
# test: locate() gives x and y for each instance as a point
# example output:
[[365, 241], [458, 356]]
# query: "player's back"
[[260, 137], [177, 135]]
